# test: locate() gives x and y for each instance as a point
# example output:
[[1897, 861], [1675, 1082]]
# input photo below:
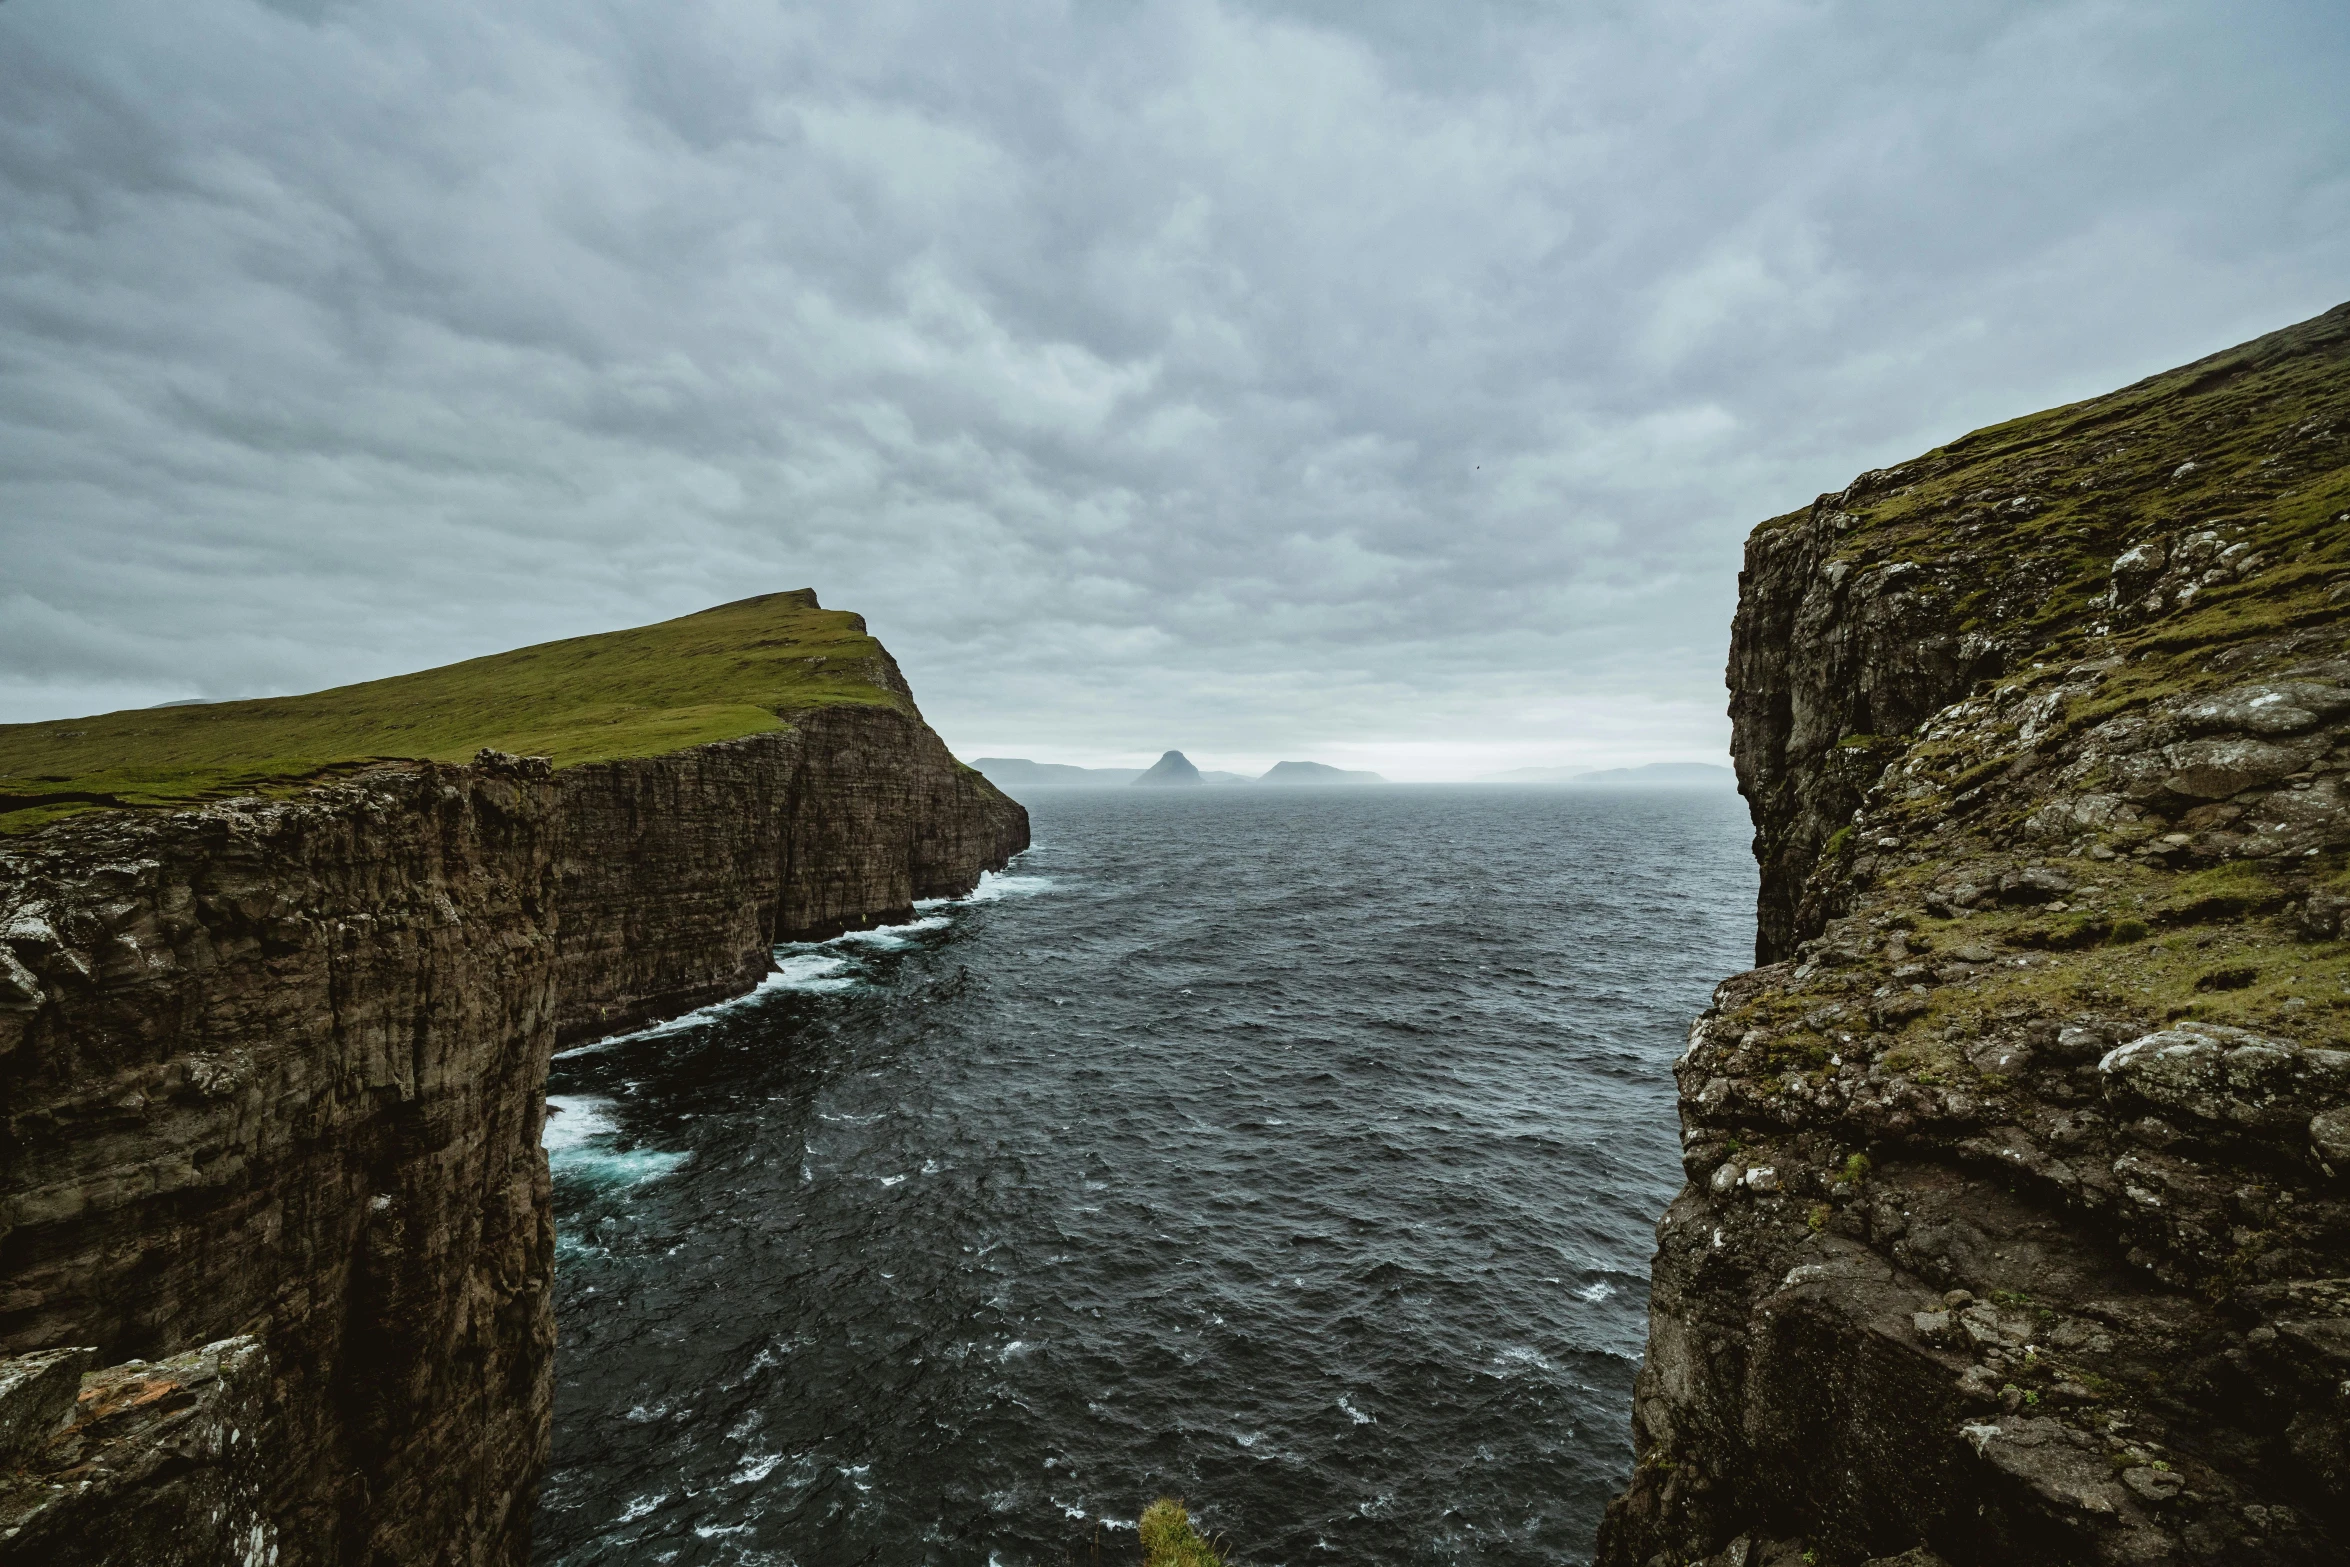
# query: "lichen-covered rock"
[[162, 1464], [2049, 1058], [2228, 1077], [36, 1394]]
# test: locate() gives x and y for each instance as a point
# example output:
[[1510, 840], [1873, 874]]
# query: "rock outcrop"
[[2018, 1218], [275, 1068], [1172, 768], [173, 1461]]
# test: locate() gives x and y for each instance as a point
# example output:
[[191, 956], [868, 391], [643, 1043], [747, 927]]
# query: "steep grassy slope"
[[735, 670]]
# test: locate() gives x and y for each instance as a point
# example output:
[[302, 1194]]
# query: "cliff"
[[2016, 1228], [678, 873], [273, 1064]]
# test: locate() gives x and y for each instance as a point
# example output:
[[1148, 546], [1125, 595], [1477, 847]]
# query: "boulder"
[[2216, 769], [2228, 1077]]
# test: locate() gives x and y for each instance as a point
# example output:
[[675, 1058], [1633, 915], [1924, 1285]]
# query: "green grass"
[[2266, 426], [735, 670], [1169, 1540]]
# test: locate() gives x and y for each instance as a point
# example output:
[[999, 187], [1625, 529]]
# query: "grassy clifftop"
[[735, 670], [2247, 443]]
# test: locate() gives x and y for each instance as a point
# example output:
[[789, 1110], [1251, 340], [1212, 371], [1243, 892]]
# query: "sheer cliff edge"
[[279, 983], [2017, 1227]]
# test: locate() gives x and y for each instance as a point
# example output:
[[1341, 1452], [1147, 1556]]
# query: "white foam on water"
[[1520, 1357], [573, 1119], [578, 1138], [756, 1467], [794, 970], [810, 968], [993, 887], [890, 937], [818, 972]]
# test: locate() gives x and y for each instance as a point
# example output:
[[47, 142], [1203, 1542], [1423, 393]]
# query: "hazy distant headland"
[[1171, 771], [1315, 773], [1013, 773], [1656, 775]]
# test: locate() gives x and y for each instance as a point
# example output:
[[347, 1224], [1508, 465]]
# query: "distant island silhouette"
[[1174, 770], [1655, 775], [1315, 773]]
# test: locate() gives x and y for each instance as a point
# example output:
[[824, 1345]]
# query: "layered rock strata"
[[2018, 1218], [678, 873], [276, 1069]]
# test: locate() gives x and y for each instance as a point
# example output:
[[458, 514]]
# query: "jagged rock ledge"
[[274, 1071], [2018, 1220]]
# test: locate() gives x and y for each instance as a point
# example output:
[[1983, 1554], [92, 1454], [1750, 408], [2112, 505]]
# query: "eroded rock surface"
[[679, 872], [275, 1069], [164, 1464], [2018, 1218]]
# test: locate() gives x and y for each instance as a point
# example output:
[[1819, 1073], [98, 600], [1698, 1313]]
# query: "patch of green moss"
[[2299, 989], [1169, 1540], [721, 674], [2224, 892]]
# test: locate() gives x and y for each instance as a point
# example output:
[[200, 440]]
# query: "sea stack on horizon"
[[1170, 769]]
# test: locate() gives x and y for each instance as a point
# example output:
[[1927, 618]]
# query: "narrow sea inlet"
[[1294, 1153]]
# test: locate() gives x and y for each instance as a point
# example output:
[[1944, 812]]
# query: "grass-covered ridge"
[[2028, 516], [736, 670]]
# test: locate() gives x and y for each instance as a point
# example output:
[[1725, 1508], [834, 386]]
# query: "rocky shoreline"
[[2016, 1228]]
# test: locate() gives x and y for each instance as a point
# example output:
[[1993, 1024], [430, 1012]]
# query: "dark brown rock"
[[2047, 1063], [679, 872], [276, 1068], [285, 1078]]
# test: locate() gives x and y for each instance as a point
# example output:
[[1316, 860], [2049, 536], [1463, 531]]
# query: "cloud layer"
[[1381, 382]]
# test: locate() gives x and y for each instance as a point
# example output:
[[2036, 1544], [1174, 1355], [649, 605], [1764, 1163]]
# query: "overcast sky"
[[1385, 383]]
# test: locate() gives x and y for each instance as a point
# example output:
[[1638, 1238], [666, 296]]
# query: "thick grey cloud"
[[1384, 382]]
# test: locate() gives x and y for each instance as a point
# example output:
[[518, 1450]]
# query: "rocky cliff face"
[[277, 1069], [679, 872], [2018, 1217]]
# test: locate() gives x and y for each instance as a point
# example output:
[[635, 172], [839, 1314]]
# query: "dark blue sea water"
[[1295, 1153]]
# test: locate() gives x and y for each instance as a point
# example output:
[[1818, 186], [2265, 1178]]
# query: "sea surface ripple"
[[1294, 1152]]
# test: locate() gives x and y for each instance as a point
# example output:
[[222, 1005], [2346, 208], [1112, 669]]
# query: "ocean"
[[1293, 1152]]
